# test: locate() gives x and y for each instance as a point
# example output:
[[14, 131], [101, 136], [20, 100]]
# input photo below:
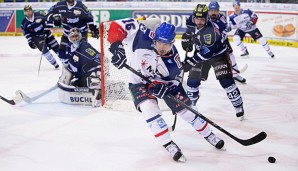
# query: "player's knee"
[[237, 39], [191, 82], [149, 108], [226, 82], [187, 115]]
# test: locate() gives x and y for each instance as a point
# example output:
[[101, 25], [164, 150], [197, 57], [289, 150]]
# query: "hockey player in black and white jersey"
[[37, 31], [71, 14], [155, 56], [201, 70], [80, 80], [210, 47], [245, 23]]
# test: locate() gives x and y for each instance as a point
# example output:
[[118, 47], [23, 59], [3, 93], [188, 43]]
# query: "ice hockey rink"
[[50, 136]]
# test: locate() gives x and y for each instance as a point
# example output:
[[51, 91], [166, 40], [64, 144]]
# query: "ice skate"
[[271, 54], [240, 113], [245, 54], [175, 151], [215, 141], [56, 65], [240, 79]]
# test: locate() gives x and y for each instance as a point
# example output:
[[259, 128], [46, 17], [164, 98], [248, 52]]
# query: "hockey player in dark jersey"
[[83, 65], [37, 31], [155, 56], [71, 14], [210, 47]]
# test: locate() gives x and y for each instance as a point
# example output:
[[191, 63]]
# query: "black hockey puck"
[[271, 159]]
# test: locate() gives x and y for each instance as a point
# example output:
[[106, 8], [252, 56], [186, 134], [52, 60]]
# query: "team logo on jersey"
[[207, 39], [144, 64], [77, 12], [75, 58], [38, 20]]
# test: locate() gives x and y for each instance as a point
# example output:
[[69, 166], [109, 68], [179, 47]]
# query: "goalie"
[[80, 81]]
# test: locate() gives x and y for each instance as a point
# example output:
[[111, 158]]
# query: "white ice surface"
[[50, 136]]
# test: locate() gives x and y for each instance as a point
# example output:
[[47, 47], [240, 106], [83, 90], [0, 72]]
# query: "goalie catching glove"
[[158, 89], [94, 31], [119, 57], [187, 42]]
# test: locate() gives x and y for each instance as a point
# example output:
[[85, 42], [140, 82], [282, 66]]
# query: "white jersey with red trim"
[[139, 46]]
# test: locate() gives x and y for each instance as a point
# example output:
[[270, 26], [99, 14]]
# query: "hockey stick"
[[12, 102], [45, 36], [259, 137], [27, 99], [242, 70], [172, 128]]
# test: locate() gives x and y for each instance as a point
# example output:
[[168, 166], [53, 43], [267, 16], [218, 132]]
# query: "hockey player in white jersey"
[[155, 56], [245, 22]]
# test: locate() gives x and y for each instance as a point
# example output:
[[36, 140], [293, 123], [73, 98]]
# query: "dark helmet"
[[213, 5], [27, 7], [200, 11]]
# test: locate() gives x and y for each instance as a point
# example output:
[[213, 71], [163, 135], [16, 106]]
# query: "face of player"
[[213, 14], [70, 2], [237, 9], [200, 22], [163, 48], [28, 13]]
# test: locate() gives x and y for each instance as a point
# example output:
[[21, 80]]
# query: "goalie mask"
[[75, 37]]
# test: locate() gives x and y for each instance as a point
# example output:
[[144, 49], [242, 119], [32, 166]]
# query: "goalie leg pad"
[[75, 95]]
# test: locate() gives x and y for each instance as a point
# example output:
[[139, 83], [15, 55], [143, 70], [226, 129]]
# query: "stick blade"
[[256, 139]]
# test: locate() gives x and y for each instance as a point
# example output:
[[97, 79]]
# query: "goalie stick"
[[30, 100], [22, 96], [256, 139]]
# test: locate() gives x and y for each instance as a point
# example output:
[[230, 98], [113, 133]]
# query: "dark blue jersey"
[[35, 26], [77, 16], [83, 60], [208, 41], [221, 22]]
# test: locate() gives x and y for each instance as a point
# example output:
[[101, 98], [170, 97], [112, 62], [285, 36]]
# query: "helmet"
[[75, 36], [213, 5], [236, 2], [27, 7], [165, 33], [200, 11]]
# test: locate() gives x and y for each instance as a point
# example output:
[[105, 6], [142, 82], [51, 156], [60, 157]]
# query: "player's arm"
[[253, 16], [116, 35], [27, 35], [54, 16], [88, 18]]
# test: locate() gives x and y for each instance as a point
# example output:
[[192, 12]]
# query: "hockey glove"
[[32, 45], [94, 31], [158, 89], [119, 57], [249, 25], [57, 20], [188, 63], [187, 43]]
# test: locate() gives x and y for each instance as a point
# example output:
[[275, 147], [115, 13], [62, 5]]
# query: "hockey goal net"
[[115, 93]]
